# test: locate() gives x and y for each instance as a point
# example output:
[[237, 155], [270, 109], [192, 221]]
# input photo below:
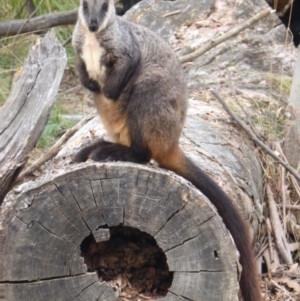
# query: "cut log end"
[[116, 231]]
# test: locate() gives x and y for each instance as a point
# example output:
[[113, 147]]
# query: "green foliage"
[[14, 50], [15, 9], [55, 127]]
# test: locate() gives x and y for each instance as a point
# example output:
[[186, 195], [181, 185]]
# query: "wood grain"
[[41, 234], [25, 113]]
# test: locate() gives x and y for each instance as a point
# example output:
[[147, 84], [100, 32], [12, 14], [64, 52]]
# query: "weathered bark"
[[44, 227], [25, 112], [295, 89], [291, 143], [42, 233], [44, 22]]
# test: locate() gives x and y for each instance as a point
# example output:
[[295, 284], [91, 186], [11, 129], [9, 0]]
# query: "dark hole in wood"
[[264, 268], [131, 261], [216, 255]]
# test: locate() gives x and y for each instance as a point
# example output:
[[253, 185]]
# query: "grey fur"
[[141, 72]]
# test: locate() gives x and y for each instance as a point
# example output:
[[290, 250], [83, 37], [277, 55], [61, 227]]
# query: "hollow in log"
[[85, 234]]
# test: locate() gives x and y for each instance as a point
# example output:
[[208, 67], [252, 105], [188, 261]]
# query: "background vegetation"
[[14, 50]]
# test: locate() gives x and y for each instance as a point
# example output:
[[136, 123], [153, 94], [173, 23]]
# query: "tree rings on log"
[[67, 239]]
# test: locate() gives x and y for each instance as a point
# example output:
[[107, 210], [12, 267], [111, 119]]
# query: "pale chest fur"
[[92, 53]]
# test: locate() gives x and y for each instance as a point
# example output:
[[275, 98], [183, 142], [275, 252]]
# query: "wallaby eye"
[[85, 5], [105, 6]]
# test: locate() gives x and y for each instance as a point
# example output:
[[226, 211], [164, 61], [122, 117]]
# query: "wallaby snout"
[[93, 25]]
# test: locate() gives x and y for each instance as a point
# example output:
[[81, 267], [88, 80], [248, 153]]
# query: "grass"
[[14, 50], [281, 83], [15, 9], [55, 127]]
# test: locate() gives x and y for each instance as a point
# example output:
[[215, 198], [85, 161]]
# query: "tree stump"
[[44, 236]]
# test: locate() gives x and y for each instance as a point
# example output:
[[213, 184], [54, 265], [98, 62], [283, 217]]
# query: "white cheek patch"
[[91, 55]]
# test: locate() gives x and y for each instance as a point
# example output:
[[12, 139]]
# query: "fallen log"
[[44, 236], [142, 221], [104, 231]]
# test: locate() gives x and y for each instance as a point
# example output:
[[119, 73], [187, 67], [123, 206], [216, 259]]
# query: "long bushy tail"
[[180, 164]]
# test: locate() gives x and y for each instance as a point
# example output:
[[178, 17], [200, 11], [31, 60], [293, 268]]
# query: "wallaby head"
[[96, 14]]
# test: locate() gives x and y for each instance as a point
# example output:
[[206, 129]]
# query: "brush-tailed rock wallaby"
[[141, 96]]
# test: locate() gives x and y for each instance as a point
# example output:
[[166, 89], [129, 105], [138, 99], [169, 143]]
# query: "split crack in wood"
[[95, 196]]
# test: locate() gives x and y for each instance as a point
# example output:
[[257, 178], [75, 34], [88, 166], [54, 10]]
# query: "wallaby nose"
[[93, 26]]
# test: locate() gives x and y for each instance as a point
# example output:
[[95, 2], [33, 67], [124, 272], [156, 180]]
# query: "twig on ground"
[[53, 150], [266, 289], [176, 12], [269, 230], [231, 33], [279, 235], [283, 196], [253, 136], [280, 287], [261, 251], [294, 247], [290, 207]]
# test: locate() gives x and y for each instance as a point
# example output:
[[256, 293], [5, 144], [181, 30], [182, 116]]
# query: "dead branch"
[[254, 138], [283, 196], [25, 112], [279, 234], [53, 151], [290, 207], [231, 33], [44, 22], [172, 13], [269, 230]]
